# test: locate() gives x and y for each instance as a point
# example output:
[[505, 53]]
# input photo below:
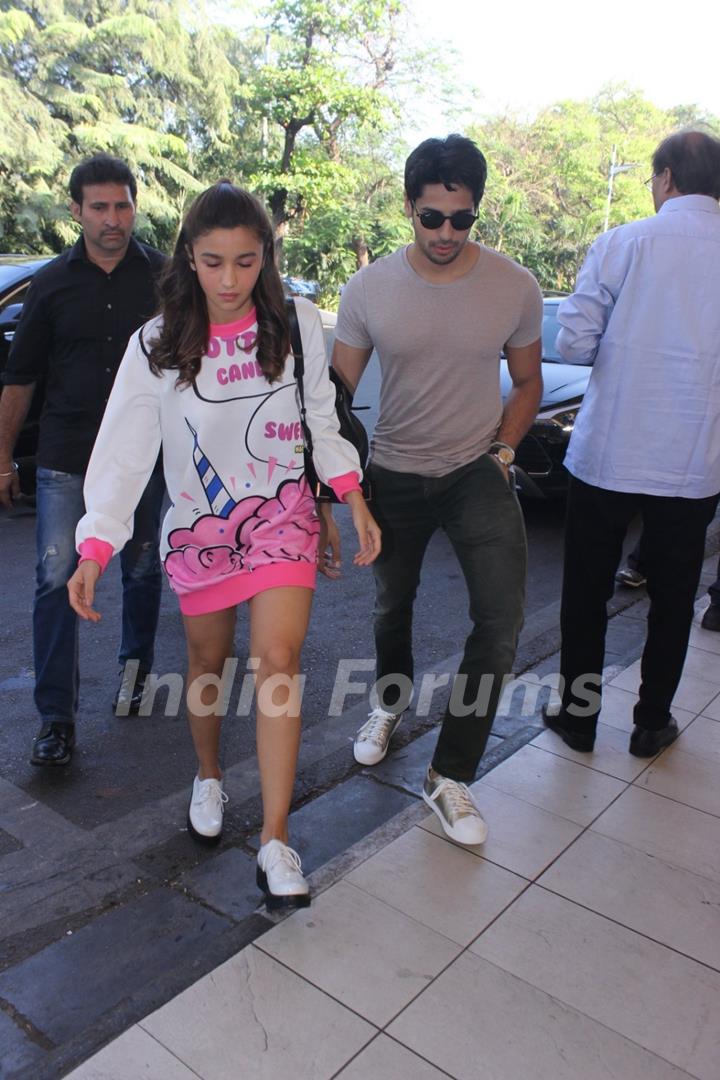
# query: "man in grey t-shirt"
[[439, 312]]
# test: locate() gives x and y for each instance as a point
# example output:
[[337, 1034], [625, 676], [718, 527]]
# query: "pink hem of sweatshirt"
[[244, 586]]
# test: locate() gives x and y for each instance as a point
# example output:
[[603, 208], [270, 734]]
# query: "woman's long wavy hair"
[[184, 336]]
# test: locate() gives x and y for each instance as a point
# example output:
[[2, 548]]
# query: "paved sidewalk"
[[581, 941]]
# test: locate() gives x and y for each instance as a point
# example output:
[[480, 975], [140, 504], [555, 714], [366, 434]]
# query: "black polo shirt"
[[74, 327]]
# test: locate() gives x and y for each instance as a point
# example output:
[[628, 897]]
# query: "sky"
[[523, 55]]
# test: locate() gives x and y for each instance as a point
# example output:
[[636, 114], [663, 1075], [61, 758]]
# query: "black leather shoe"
[[645, 742], [53, 744], [584, 741], [711, 618], [128, 698]]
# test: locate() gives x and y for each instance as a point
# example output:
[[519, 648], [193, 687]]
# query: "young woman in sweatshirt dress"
[[210, 381]]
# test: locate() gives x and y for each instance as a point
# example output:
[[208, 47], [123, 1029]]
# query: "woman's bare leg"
[[210, 641], [278, 624]]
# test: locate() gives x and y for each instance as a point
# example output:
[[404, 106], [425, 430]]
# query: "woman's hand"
[[329, 547], [81, 590], [366, 527]]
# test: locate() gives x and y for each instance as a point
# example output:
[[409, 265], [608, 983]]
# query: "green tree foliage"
[[547, 191], [137, 79], [304, 107], [320, 93], [362, 223], [296, 108]]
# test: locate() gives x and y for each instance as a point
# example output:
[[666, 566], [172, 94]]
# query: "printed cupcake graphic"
[[241, 535]]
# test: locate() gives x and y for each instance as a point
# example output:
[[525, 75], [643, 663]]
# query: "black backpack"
[[350, 427]]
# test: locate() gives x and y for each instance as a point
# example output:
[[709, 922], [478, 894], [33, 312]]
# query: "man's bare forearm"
[[14, 406], [521, 408], [349, 363]]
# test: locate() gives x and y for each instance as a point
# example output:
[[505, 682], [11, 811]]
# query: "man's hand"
[[81, 590], [366, 527], [14, 406], [9, 483], [329, 546], [507, 470]]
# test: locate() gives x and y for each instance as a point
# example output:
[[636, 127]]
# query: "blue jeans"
[[60, 506], [480, 514]]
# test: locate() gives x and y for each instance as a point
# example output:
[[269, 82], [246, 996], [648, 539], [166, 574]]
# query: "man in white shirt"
[[646, 314]]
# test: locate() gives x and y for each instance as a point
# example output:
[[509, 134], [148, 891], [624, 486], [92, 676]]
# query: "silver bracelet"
[[12, 471]]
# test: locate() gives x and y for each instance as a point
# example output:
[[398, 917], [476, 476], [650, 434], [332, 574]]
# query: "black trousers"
[[673, 546], [714, 589], [635, 562], [482, 518]]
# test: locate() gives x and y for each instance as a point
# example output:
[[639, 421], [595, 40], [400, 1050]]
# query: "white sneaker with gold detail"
[[373, 738], [454, 805]]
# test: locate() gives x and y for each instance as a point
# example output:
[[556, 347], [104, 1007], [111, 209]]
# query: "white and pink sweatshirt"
[[241, 516]]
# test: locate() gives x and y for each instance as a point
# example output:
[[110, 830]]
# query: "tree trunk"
[[278, 213], [362, 255]]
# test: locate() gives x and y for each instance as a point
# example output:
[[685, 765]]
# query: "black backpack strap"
[[299, 368], [141, 342]]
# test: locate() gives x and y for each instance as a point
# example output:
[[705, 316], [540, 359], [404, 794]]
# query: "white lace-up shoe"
[[280, 877], [455, 806], [372, 740], [205, 816]]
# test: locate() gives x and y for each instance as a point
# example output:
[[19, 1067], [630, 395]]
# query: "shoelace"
[[288, 857], [458, 796], [376, 728], [210, 792]]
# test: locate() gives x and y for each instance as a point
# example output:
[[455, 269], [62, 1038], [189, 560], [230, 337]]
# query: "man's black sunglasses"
[[461, 220]]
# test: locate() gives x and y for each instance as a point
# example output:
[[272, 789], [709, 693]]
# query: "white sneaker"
[[371, 741], [279, 875], [454, 805], [205, 816]]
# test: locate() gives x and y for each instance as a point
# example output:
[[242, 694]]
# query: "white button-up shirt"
[[646, 314]]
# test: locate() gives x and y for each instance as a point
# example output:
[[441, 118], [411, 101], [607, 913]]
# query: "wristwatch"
[[504, 453]]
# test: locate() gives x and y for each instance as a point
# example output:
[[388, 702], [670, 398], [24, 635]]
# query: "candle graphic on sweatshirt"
[[220, 500]]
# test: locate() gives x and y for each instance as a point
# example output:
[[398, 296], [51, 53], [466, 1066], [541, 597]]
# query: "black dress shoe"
[[584, 741], [128, 698], [711, 618], [645, 742], [53, 744]]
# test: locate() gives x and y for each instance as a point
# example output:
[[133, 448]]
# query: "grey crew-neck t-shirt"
[[439, 348]]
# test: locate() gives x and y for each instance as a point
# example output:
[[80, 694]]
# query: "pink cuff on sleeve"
[[341, 485], [98, 550]]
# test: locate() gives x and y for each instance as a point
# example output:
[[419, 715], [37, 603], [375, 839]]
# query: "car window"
[[10, 307]]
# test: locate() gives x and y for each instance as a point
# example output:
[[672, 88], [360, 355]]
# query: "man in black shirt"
[[80, 312]]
